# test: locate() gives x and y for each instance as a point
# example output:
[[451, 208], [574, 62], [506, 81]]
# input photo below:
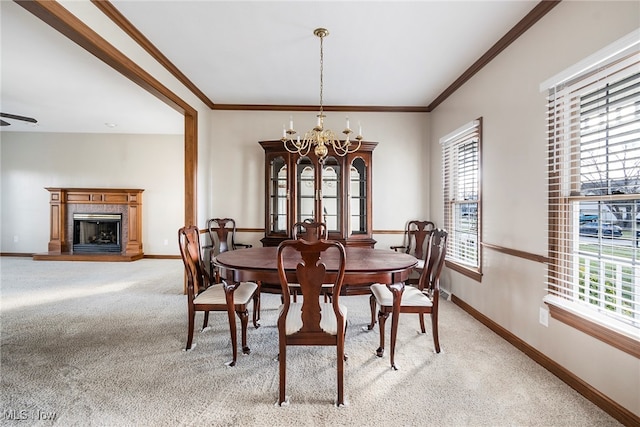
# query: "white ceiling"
[[378, 53]]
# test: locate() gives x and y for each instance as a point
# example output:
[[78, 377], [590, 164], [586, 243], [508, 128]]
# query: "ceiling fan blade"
[[15, 117], [3, 123]]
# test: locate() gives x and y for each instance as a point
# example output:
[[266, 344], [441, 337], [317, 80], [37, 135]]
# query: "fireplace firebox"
[[97, 232]]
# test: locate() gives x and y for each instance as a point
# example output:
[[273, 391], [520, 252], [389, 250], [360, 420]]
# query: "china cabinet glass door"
[[331, 193], [278, 196], [358, 196], [306, 189]]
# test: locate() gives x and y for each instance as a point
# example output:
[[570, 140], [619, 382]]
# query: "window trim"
[[474, 273], [604, 328], [617, 49], [594, 324], [471, 273]]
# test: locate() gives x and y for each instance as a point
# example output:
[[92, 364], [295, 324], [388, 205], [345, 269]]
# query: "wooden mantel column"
[[58, 231], [134, 243]]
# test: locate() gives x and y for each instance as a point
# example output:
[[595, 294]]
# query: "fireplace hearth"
[[97, 232]]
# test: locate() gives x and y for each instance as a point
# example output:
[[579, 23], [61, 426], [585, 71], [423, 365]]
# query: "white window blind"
[[594, 193], [461, 190]]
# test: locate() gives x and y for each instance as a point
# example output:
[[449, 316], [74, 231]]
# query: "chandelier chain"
[[321, 72]]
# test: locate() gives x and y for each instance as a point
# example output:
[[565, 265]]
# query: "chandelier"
[[320, 138]]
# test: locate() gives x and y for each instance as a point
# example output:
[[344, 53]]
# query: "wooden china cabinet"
[[337, 192]]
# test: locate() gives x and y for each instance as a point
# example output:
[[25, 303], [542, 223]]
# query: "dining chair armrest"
[[395, 248], [242, 246]]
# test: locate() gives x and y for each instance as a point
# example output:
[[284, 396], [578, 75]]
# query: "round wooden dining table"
[[364, 266]]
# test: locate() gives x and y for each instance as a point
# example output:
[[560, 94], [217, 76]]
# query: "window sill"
[[467, 271], [617, 334]]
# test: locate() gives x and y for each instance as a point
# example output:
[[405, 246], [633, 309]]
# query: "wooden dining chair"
[[222, 235], [205, 295], [311, 322], [415, 240], [422, 299]]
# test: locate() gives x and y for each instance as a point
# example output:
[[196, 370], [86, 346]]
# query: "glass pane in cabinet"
[[358, 196], [331, 194], [358, 221], [329, 217], [278, 196], [306, 189]]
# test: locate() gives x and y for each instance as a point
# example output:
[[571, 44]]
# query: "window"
[[461, 190], [594, 200]]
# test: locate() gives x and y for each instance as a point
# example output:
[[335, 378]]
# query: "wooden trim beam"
[[190, 169]]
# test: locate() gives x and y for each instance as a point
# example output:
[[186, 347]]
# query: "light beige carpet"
[[101, 344]]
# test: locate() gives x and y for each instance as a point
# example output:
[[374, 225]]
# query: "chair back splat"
[[311, 322], [311, 231]]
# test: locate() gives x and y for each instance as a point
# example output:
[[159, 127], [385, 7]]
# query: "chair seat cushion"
[[411, 297], [215, 294], [420, 265], [328, 321]]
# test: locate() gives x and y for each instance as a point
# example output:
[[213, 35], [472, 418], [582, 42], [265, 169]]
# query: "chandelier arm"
[[340, 150], [357, 147], [305, 150], [290, 145]]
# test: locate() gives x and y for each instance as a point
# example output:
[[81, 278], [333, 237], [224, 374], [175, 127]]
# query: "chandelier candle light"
[[320, 138]]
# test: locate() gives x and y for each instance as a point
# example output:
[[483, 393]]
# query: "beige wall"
[[230, 175], [32, 161], [506, 94]]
